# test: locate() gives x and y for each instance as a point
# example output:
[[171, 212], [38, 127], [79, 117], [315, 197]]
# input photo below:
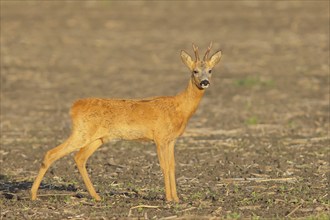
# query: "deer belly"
[[130, 133]]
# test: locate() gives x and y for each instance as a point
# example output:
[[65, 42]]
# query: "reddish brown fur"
[[159, 119]]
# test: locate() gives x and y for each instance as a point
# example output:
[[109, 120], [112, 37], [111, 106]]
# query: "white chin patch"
[[205, 86]]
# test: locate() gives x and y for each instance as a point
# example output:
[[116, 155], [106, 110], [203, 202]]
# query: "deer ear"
[[215, 58], [186, 59]]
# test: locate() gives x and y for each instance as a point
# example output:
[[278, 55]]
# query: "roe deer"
[[159, 119]]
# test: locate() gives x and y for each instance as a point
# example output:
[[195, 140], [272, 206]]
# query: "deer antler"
[[207, 52], [195, 51]]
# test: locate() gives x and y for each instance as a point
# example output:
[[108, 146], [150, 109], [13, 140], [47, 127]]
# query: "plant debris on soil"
[[258, 146]]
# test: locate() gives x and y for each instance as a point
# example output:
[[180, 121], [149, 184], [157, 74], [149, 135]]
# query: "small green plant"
[[236, 188], [177, 207], [67, 199], [291, 124], [252, 81], [233, 215], [270, 201], [253, 120], [246, 201], [140, 209], [322, 216], [255, 196], [255, 217], [283, 189], [196, 196]]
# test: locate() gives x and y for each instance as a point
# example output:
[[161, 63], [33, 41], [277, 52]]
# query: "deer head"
[[201, 69]]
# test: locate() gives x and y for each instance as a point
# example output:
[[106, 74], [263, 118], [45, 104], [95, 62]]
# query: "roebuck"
[[160, 119]]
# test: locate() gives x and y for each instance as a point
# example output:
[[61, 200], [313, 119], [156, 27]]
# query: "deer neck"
[[190, 98]]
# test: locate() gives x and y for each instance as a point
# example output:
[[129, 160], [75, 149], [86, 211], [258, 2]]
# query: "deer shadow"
[[12, 188]]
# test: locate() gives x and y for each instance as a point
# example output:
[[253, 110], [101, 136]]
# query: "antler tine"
[[207, 52], [195, 51]]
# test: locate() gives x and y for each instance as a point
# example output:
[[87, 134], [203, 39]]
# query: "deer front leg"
[[161, 152], [165, 153], [172, 172]]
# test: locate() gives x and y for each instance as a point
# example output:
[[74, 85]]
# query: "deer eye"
[[210, 71], [195, 71]]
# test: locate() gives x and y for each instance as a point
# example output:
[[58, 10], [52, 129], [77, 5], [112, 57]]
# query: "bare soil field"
[[258, 146]]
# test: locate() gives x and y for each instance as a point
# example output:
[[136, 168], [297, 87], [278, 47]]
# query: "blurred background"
[[272, 83], [275, 55]]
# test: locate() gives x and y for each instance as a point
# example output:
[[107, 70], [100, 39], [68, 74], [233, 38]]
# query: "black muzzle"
[[204, 83]]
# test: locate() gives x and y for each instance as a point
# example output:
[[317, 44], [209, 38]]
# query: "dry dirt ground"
[[258, 147]]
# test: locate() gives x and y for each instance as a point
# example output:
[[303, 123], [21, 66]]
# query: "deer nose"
[[204, 83]]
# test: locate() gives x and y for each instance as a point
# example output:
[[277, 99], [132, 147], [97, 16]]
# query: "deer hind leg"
[[165, 153], [51, 156], [81, 158]]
